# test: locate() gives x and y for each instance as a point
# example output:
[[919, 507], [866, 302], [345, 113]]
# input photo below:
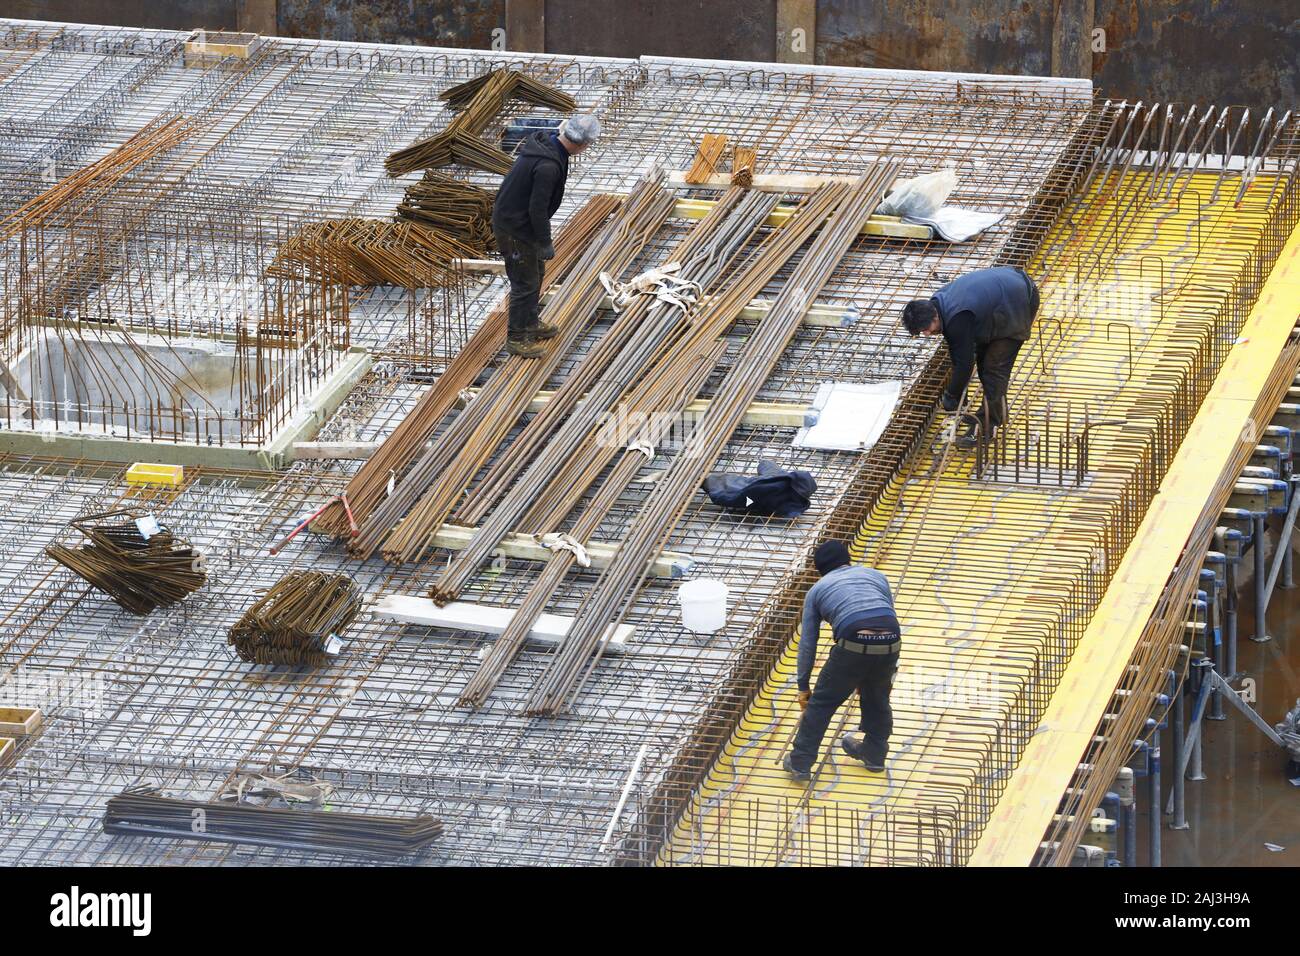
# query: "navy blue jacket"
[[778, 491], [979, 307], [532, 190]]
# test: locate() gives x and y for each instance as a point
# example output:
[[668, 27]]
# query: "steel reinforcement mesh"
[[299, 131]]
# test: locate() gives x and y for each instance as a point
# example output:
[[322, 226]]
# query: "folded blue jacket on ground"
[[773, 491]]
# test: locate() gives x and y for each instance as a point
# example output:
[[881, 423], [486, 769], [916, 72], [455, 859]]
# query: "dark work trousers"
[[995, 361], [871, 675], [525, 270]]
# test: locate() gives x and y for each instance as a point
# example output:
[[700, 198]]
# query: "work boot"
[[856, 749], [803, 776], [524, 347], [541, 332], [968, 432]]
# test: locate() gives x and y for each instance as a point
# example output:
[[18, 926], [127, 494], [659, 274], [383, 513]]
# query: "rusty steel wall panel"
[[1245, 52], [172, 15], [453, 23], [1242, 53], [989, 36], [735, 30]]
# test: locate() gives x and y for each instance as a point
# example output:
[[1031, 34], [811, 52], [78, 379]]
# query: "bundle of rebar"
[[666, 390], [433, 486], [704, 255], [454, 145], [296, 619], [743, 164], [98, 178], [369, 485], [452, 207], [632, 325], [145, 811], [517, 85], [139, 571], [845, 209], [708, 158], [479, 101], [656, 408], [366, 252]]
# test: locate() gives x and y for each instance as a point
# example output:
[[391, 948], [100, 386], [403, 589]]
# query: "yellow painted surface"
[[988, 576], [1026, 809]]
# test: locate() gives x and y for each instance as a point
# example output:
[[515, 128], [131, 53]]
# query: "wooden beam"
[[886, 226], [763, 182], [525, 547], [19, 721], [484, 619], [333, 450]]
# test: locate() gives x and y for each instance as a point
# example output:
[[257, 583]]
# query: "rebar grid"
[[300, 133], [998, 578]]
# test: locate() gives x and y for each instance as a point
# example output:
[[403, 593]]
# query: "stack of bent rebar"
[[140, 571], [478, 101], [294, 620]]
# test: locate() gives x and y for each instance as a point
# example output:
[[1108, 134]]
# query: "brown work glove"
[[804, 696]]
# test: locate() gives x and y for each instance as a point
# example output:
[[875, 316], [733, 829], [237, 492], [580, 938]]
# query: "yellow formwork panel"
[[984, 574], [1025, 810]]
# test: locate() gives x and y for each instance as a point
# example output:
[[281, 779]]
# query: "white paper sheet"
[[850, 416]]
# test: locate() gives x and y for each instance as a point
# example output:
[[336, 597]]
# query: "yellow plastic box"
[[148, 473]]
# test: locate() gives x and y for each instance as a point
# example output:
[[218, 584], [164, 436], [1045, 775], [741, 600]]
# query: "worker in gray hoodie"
[[859, 606]]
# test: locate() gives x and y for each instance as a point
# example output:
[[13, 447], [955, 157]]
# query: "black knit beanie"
[[830, 555]]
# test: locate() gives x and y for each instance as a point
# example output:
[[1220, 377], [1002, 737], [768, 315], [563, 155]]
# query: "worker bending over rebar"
[[521, 223], [859, 606], [985, 316]]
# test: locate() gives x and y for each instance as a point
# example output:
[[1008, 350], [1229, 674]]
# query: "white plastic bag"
[[920, 196]]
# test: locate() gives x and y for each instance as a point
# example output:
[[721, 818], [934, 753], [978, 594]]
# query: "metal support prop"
[[1153, 795], [1288, 555], [1262, 589], [1230, 615], [1209, 679], [1213, 648], [1177, 719], [1113, 808]]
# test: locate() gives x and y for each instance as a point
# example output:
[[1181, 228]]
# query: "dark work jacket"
[[977, 308], [773, 491], [532, 190]]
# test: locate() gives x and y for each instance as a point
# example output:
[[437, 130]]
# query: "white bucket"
[[704, 605]]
